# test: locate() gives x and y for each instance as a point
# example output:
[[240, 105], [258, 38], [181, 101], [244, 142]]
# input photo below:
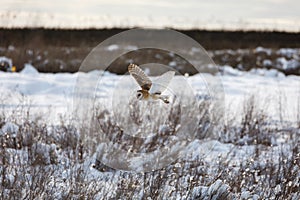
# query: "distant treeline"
[[210, 40], [57, 50]]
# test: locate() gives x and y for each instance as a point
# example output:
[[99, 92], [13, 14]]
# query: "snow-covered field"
[[54, 93], [255, 155], [82, 20]]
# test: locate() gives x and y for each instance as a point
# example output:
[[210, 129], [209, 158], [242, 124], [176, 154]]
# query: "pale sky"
[[276, 12]]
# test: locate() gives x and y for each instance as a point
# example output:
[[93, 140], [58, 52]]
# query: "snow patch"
[[9, 128], [228, 70], [285, 64], [113, 47], [29, 70], [263, 50]]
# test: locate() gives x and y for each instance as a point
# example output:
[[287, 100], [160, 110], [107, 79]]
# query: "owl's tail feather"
[[165, 98]]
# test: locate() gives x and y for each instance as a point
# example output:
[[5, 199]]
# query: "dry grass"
[[51, 162]]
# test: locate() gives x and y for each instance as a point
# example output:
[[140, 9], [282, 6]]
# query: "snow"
[[267, 73], [56, 91], [9, 128], [80, 20], [287, 64], [263, 50], [52, 96], [287, 52], [267, 63], [172, 63], [29, 70], [113, 47], [5, 61], [228, 70]]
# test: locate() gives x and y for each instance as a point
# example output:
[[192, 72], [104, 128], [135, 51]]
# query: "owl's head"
[[139, 95]]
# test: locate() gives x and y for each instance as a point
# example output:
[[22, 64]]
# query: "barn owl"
[[151, 90]]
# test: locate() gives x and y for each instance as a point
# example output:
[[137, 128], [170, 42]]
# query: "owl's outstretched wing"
[[161, 83], [141, 78]]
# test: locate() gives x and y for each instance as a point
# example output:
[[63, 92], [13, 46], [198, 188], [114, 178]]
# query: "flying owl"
[[151, 90]]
